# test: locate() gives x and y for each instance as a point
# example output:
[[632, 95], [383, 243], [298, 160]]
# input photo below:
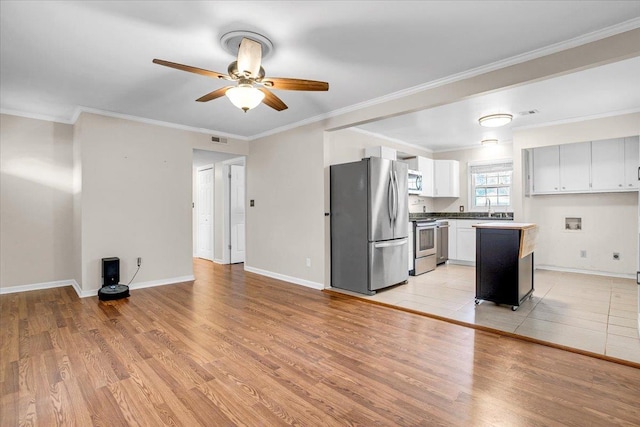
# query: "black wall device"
[[110, 271], [111, 289]]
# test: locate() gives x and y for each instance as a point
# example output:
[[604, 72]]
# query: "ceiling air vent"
[[218, 140], [528, 112]]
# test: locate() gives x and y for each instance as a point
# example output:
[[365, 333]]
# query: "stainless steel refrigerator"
[[369, 225]]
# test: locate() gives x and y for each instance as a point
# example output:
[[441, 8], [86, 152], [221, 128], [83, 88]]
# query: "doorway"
[[204, 213], [236, 213], [211, 206]]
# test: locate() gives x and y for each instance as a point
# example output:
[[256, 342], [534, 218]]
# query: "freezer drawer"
[[387, 263]]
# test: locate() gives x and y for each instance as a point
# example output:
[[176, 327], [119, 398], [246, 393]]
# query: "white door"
[[236, 212], [204, 206]]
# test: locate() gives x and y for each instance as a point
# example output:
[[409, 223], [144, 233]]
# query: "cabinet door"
[[453, 244], [575, 162], [631, 162], [546, 169], [426, 167], [607, 166], [466, 244], [446, 178]]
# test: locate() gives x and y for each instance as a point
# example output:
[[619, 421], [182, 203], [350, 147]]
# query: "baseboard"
[[461, 262], [294, 280], [219, 261], [579, 271], [162, 282], [91, 292], [39, 286]]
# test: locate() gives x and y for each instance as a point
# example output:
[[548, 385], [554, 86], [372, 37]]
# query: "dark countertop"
[[499, 216]]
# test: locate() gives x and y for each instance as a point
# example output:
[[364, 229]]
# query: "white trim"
[[39, 286], [390, 139], [534, 54], [518, 59], [161, 282], [284, 278], [219, 261], [590, 272], [160, 123], [578, 119], [37, 116], [90, 292]]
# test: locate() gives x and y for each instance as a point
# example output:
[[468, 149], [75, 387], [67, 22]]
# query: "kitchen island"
[[504, 262]]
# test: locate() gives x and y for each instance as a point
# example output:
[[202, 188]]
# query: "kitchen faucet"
[[489, 203]]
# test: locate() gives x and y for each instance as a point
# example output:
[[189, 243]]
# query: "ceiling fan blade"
[[213, 95], [249, 57], [191, 69], [272, 101], [283, 83]]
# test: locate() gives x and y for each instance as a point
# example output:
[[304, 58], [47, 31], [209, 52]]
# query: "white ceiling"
[[57, 56], [604, 90]]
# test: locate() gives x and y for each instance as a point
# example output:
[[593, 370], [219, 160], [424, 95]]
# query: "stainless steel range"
[[425, 246]]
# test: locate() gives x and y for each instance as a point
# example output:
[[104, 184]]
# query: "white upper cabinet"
[[425, 166], [546, 169], [446, 178], [632, 162], [597, 166], [574, 166], [607, 161]]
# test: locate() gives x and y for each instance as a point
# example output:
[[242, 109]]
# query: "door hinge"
[[638, 278], [229, 246]]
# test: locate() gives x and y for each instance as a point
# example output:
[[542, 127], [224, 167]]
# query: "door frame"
[[226, 237], [198, 204]]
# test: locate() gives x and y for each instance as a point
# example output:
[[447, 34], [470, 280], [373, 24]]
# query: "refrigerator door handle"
[[390, 244], [397, 198], [390, 199]]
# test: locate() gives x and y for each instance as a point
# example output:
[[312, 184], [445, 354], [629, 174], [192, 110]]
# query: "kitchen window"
[[490, 182]]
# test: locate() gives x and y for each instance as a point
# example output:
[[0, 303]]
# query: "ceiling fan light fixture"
[[489, 141], [245, 97], [495, 120]]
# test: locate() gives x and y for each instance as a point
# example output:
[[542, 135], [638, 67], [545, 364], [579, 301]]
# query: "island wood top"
[[507, 225]]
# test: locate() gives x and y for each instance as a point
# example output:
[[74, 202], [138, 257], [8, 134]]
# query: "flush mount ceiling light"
[[489, 141], [495, 120]]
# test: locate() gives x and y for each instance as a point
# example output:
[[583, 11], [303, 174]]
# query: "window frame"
[[471, 185]]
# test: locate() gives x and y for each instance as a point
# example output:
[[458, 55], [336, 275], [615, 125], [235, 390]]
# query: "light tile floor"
[[593, 313]]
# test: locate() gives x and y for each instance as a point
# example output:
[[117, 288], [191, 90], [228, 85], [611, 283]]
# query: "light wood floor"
[[235, 348]]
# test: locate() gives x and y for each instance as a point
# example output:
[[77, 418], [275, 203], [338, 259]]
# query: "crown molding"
[[518, 59], [144, 120], [613, 30], [390, 139], [36, 116], [578, 119]]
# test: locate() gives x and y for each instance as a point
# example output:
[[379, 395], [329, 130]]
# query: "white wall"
[[481, 153], [73, 194], [286, 225], [609, 220], [136, 200], [36, 201]]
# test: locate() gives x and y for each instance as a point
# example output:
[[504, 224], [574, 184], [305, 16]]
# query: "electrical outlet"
[[583, 254], [308, 262], [616, 256], [139, 261]]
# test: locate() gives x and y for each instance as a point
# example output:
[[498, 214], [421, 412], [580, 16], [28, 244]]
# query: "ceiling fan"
[[252, 87]]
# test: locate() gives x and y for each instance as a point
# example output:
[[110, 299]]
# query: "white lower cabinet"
[[453, 244], [465, 241]]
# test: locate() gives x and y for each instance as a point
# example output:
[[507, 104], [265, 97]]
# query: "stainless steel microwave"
[[415, 182]]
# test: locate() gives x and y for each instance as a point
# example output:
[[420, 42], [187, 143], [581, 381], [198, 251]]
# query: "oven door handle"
[[390, 244]]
